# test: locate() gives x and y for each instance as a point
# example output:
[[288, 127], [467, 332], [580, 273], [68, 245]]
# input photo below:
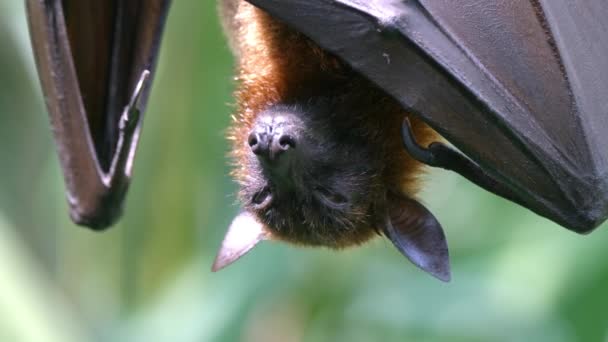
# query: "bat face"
[[311, 180]]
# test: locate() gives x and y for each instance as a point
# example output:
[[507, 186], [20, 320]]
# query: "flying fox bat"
[[341, 102]]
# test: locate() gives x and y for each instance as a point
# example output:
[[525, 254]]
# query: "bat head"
[[312, 179], [310, 182]]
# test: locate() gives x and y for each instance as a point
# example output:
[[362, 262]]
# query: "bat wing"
[[94, 59], [520, 87]]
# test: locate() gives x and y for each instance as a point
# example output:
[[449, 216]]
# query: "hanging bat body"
[[316, 139], [317, 149], [341, 102]]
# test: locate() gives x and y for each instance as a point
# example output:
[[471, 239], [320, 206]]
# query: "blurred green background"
[[516, 276]]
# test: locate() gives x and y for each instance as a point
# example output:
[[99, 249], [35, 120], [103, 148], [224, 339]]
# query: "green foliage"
[[516, 277]]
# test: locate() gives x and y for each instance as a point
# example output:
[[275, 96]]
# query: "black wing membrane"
[[94, 59], [520, 87]]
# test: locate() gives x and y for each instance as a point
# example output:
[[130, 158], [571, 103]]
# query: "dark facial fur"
[[322, 190]]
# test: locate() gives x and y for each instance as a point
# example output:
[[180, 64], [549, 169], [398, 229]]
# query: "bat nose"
[[269, 143]]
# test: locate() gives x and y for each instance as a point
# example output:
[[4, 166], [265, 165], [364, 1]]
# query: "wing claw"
[[445, 157]]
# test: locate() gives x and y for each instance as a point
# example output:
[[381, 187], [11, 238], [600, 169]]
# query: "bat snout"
[[273, 140], [270, 142]]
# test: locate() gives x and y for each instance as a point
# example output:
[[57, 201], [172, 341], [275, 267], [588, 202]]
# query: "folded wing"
[[521, 87]]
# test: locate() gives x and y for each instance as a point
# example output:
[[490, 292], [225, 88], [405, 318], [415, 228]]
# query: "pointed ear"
[[418, 235], [244, 233]]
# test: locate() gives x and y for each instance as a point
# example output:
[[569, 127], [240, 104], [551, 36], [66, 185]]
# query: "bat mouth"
[[262, 199]]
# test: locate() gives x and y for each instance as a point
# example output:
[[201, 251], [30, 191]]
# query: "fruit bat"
[[340, 103]]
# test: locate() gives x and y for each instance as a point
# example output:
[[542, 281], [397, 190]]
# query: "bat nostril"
[[254, 142], [282, 144], [253, 139], [286, 142]]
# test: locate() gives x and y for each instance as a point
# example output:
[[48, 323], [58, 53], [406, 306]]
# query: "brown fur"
[[277, 64]]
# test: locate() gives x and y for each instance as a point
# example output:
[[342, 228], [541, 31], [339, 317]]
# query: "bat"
[[318, 152], [339, 102], [95, 60]]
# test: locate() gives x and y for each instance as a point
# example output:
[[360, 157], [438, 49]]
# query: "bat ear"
[[418, 235], [244, 233]]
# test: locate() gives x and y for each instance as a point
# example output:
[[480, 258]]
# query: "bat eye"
[[262, 199], [333, 197]]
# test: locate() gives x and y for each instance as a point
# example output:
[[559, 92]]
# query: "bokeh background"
[[516, 276]]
